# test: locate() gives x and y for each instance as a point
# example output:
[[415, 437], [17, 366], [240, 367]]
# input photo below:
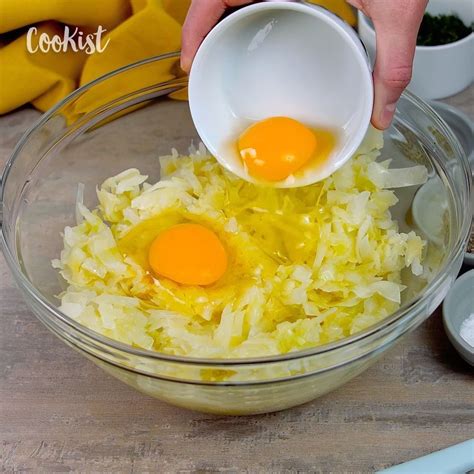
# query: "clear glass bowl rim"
[[394, 320]]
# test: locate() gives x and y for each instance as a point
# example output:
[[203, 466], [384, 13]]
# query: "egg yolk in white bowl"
[[276, 148]]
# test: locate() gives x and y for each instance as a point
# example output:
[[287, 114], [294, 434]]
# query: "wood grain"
[[60, 413]]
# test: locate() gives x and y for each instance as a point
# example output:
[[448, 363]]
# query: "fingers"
[[396, 24], [201, 18], [396, 42], [392, 74]]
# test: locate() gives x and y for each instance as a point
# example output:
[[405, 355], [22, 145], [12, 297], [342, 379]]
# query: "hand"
[[396, 25], [201, 18]]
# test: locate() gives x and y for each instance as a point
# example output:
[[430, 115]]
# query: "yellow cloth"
[[108, 13], [137, 29], [340, 8]]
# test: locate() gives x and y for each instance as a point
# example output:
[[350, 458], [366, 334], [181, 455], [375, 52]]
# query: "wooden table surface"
[[60, 413]]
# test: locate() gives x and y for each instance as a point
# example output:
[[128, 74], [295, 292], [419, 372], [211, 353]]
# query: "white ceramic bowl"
[[429, 207], [281, 59], [438, 71], [431, 200], [457, 306]]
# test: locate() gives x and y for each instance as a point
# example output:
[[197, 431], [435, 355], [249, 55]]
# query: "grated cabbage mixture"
[[307, 266]]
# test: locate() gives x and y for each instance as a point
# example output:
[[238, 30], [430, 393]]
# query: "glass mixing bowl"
[[108, 126]]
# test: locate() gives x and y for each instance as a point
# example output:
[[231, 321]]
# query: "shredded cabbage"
[[308, 265]]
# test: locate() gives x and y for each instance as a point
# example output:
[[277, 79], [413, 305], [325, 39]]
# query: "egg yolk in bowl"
[[187, 253], [278, 147]]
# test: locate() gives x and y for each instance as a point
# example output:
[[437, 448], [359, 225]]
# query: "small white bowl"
[[457, 306], [281, 59], [428, 210], [463, 128], [438, 71]]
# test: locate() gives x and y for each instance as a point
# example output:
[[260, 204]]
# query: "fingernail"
[[184, 64], [387, 115]]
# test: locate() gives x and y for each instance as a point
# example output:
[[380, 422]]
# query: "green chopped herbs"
[[441, 29]]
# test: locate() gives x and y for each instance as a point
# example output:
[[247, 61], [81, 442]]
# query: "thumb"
[[396, 43], [201, 18]]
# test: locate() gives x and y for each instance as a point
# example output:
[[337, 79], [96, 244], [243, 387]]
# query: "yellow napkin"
[[340, 8], [137, 29], [108, 13]]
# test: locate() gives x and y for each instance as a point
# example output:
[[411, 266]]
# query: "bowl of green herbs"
[[443, 64], [438, 30]]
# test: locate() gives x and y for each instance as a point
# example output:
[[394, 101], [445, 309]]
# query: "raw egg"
[[190, 254], [277, 147]]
